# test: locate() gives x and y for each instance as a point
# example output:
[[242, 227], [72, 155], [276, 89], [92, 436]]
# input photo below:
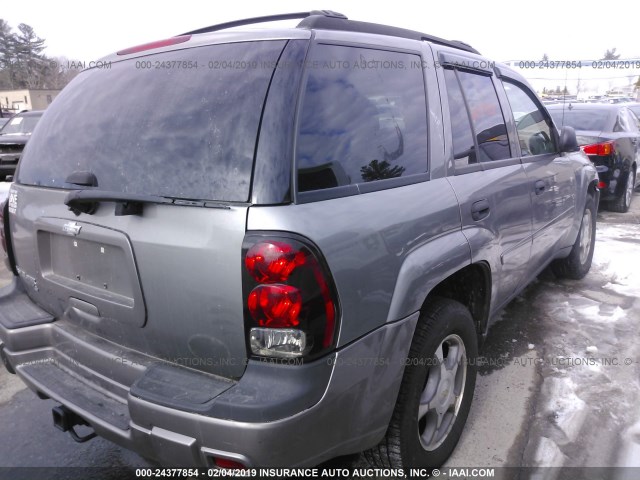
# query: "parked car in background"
[[634, 107], [277, 266], [609, 134], [14, 135]]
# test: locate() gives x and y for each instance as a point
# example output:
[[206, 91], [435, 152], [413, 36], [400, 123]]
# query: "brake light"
[[602, 185], [605, 148], [157, 44], [290, 301], [5, 238], [2, 228]]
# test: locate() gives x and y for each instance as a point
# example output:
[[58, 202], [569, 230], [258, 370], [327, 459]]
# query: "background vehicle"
[[609, 134], [13, 137], [195, 288], [634, 107]]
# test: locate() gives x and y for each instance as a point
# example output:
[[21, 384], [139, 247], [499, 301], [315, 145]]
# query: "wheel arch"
[[470, 286]]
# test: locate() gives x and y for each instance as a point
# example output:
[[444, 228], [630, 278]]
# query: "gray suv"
[[275, 247]]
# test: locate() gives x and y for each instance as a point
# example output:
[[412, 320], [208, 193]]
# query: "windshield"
[[595, 120], [180, 124], [21, 125]]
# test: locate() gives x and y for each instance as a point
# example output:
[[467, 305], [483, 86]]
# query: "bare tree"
[[611, 55]]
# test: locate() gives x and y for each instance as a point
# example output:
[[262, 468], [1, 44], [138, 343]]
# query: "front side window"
[[533, 127], [363, 118]]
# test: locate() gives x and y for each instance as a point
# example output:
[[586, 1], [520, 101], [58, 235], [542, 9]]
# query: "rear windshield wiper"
[[86, 201]]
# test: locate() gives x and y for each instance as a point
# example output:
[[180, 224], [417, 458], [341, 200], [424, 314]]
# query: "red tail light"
[[5, 239], [2, 228], [276, 306], [605, 148], [290, 302], [270, 262], [158, 44]]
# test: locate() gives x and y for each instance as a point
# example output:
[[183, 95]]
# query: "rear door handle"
[[540, 187], [480, 209]]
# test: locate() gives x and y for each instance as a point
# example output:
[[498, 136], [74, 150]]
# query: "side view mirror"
[[568, 140], [9, 178]]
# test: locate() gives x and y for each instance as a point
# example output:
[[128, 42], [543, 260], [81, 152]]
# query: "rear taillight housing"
[[602, 149], [5, 239], [290, 302], [2, 232]]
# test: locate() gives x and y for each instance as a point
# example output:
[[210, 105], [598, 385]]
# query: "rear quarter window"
[[180, 124], [363, 118]]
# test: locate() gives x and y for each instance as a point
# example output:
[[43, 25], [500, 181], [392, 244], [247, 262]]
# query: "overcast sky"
[[501, 30]]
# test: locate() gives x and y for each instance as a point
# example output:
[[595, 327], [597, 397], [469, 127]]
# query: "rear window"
[[181, 124], [21, 125], [597, 119]]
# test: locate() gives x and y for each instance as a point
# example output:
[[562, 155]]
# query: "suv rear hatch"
[[158, 152]]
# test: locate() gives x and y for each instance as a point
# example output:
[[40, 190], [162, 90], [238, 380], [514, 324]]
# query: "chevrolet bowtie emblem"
[[72, 228]]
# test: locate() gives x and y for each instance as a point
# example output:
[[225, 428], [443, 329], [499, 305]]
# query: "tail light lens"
[[5, 239], [291, 307], [605, 148], [2, 229]]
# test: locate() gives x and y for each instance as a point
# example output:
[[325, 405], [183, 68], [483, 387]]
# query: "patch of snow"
[[630, 451], [548, 454], [592, 349], [531, 346], [611, 257], [568, 410]]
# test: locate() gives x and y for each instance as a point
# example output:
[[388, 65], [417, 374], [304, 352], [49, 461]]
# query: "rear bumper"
[[613, 176], [269, 417]]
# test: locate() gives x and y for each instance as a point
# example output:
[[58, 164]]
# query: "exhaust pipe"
[[65, 420]]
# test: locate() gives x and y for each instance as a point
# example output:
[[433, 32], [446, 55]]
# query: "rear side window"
[[363, 118], [180, 124], [478, 129], [625, 122], [533, 127], [486, 116], [464, 152]]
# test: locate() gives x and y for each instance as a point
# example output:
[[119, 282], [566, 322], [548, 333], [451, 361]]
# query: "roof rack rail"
[[343, 24], [267, 18], [330, 20]]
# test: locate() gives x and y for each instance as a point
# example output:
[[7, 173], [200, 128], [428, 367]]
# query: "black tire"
[[623, 202], [578, 263], [402, 446]]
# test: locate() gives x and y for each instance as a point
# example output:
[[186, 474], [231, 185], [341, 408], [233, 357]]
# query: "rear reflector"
[[602, 185], [605, 148], [228, 464], [158, 44]]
